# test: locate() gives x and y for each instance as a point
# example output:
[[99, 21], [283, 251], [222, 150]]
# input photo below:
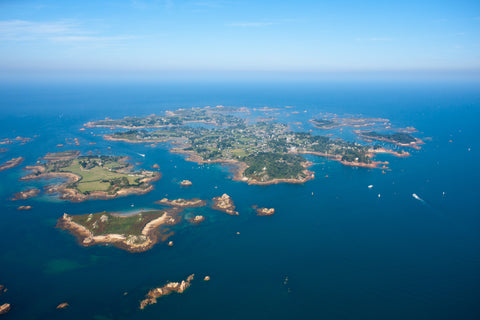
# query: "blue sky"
[[246, 36]]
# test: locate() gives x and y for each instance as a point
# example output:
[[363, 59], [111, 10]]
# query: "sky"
[[302, 36]]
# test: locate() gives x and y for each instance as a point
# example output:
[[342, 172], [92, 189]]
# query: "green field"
[[100, 173], [105, 223]]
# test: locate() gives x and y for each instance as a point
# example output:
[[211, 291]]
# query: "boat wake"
[[418, 198]]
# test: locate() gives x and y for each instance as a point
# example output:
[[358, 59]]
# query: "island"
[[332, 121], [185, 183], [224, 204], [26, 194], [137, 232], [12, 163], [197, 219], [217, 116], [63, 305], [178, 287], [24, 208], [4, 308], [401, 139], [62, 155], [265, 211], [92, 177], [182, 203], [325, 124], [258, 152]]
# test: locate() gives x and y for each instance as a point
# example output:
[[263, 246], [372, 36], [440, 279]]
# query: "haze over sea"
[[347, 253]]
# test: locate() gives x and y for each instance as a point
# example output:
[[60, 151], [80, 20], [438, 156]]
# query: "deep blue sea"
[[347, 253]]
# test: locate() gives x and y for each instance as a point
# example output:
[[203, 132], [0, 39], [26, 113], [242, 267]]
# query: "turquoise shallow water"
[[347, 253]]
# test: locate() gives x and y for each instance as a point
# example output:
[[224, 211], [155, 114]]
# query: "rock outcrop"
[[11, 163], [182, 203], [4, 308], [186, 183], [224, 204], [154, 294], [197, 219], [265, 211], [63, 305], [27, 194]]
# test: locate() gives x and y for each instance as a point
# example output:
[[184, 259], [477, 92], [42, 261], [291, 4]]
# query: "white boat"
[[416, 197], [370, 186]]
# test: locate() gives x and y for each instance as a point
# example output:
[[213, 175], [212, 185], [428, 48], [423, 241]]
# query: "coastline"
[[74, 195], [392, 152], [86, 238], [414, 144], [182, 203], [371, 165], [12, 163], [238, 167]]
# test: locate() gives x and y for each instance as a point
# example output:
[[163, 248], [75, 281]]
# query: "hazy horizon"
[[247, 39]]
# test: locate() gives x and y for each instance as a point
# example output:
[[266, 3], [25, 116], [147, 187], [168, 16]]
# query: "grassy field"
[[99, 174], [105, 223]]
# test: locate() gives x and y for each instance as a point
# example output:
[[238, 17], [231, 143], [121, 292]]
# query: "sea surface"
[[334, 249]]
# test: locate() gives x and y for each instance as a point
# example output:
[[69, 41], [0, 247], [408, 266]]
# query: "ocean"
[[333, 249]]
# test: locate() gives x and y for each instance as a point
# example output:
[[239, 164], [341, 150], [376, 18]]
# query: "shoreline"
[[388, 151], [238, 167], [182, 203], [76, 196], [86, 238], [414, 144], [12, 163], [371, 165], [91, 124]]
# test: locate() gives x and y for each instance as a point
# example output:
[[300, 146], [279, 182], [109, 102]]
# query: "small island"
[[401, 139], [12, 163], [197, 219], [135, 233], [224, 204], [61, 156], [24, 208], [170, 287], [63, 305], [265, 211], [4, 308], [92, 177], [326, 124], [185, 183], [182, 203], [333, 121], [26, 194]]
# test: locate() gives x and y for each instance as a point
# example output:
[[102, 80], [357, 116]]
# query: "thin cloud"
[[29, 30], [209, 4], [63, 31], [145, 4], [250, 24], [374, 39], [89, 38]]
